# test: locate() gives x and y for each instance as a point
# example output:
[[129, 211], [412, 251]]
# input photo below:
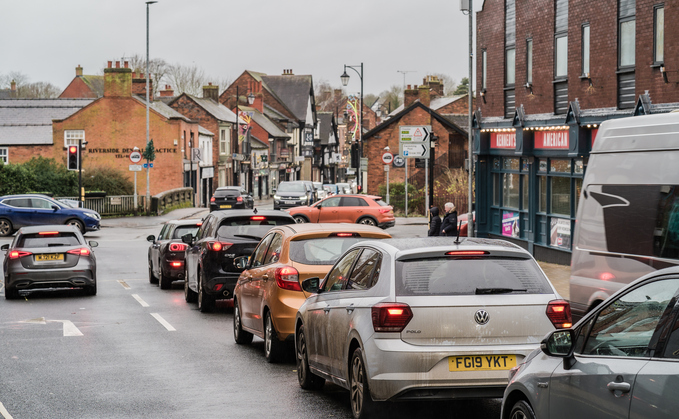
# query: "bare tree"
[[392, 98], [158, 70], [16, 76], [449, 84], [38, 90], [186, 79]]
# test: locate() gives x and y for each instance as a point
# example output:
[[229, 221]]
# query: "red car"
[[361, 209], [464, 219]]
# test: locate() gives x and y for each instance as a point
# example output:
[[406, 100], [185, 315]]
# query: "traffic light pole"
[[80, 173]]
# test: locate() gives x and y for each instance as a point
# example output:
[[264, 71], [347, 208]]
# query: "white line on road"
[[124, 284], [142, 302], [69, 328], [164, 322], [5, 414]]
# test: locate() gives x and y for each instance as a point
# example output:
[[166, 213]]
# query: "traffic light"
[[73, 158]]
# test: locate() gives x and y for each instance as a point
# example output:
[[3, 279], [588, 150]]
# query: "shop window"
[[510, 190], [560, 196], [543, 194], [560, 166], [524, 192], [542, 165], [496, 189], [510, 164]]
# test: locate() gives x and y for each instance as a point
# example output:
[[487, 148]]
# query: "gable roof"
[[397, 117], [217, 110], [264, 122], [94, 83], [295, 92], [327, 127], [29, 121]]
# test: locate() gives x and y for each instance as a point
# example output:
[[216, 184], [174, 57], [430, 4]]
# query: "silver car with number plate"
[[419, 319]]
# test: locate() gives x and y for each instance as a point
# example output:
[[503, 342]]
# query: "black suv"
[[225, 235], [230, 197], [293, 193]]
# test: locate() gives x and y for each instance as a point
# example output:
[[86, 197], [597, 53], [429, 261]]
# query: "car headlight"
[[276, 197], [93, 215]]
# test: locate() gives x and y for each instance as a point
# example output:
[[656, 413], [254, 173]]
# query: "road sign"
[[146, 165], [387, 158], [135, 157], [415, 133], [415, 150], [399, 161], [135, 168]]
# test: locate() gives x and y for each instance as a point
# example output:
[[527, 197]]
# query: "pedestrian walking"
[[449, 223], [434, 222]]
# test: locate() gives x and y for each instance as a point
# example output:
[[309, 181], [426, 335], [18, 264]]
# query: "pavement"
[[559, 275]]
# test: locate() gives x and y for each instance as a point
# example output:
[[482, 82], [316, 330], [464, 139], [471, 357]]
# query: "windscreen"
[[291, 187], [28, 241], [221, 193], [183, 230], [321, 251], [250, 227], [469, 276]]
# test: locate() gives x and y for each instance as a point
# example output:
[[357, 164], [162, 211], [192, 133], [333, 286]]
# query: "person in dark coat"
[[435, 222], [449, 224]]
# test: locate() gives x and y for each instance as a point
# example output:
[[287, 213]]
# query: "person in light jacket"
[[435, 222], [449, 224]]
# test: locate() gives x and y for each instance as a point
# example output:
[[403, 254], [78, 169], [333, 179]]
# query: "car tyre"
[[5, 227], [274, 349], [11, 294], [362, 405], [76, 223], [367, 221], [300, 219], [205, 302], [165, 281], [522, 410], [189, 295], [239, 335], [92, 289], [152, 277], [307, 379]]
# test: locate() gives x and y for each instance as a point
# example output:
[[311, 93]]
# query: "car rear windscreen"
[[250, 227], [221, 193], [324, 251], [183, 230], [469, 276], [28, 241]]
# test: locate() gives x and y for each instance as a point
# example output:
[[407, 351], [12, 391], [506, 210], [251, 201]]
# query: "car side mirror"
[[560, 344], [55, 208], [311, 285], [92, 243], [4, 247], [241, 262], [188, 238], [273, 189], [151, 238]]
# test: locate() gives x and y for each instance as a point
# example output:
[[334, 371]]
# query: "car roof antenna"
[[457, 240], [254, 210]]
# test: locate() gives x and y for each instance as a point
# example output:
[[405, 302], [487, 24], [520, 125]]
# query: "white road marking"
[[124, 284], [5, 414], [142, 302], [164, 322], [69, 328]]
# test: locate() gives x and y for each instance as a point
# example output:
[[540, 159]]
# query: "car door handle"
[[623, 387], [326, 309], [350, 308], [265, 277]]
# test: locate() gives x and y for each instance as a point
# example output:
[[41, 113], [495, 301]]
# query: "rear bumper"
[[239, 205], [387, 224], [221, 287], [67, 278], [174, 272]]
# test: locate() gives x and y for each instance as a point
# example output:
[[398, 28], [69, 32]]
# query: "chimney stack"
[[211, 92], [167, 92], [118, 81], [410, 95], [78, 71]]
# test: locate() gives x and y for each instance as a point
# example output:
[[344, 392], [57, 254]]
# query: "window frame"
[[4, 155], [71, 139], [657, 34], [484, 68], [529, 61], [585, 49]]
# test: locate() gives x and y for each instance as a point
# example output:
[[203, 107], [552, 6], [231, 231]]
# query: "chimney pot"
[[117, 64], [127, 64], [110, 64]]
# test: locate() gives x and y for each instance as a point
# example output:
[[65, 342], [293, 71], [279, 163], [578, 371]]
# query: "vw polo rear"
[[460, 321]]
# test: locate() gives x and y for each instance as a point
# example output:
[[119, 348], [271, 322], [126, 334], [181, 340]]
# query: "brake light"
[[212, 199], [559, 313], [16, 254], [287, 278], [385, 210], [391, 317], [239, 199], [467, 253], [257, 218], [218, 246], [83, 251], [178, 247], [199, 224], [344, 235], [177, 264], [48, 233]]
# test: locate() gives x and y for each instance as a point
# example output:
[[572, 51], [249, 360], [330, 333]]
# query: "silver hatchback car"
[[429, 318], [620, 361]]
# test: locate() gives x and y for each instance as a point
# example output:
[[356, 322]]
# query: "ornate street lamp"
[[345, 81]]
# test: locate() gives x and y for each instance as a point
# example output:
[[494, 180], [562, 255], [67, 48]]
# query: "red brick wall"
[[490, 35], [22, 154], [460, 106], [78, 89]]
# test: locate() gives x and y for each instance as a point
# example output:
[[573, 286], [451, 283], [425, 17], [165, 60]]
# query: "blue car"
[[18, 211]]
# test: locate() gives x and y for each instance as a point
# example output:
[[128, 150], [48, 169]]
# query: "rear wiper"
[[497, 290], [245, 236]]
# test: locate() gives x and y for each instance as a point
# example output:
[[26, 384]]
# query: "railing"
[[112, 205]]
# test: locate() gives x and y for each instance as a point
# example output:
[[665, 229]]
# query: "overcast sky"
[[47, 39]]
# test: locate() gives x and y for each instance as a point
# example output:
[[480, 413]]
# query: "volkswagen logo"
[[481, 317]]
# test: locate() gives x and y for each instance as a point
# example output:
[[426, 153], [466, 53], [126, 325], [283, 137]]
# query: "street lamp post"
[[148, 165], [345, 80]]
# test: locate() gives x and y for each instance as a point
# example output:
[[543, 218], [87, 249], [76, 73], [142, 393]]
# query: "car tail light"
[[559, 313], [287, 278], [258, 218], [178, 247], [344, 235], [239, 199], [467, 253], [16, 254], [83, 251], [176, 264], [218, 246], [391, 317], [212, 199], [385, 210], [48, 233]]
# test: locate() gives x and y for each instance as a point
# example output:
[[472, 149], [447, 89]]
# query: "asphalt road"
[[135, 351]]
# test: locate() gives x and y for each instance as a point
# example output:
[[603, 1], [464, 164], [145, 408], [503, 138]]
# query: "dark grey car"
[[292, 194], [619, 361], [49, 257]]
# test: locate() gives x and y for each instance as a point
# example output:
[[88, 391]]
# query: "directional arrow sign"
[[415, 133], [415, 150], [69, 328]]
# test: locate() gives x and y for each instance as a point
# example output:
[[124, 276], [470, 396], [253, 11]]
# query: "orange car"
[[268, 292], [361, 209]]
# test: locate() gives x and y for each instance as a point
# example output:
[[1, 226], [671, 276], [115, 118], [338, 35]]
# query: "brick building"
[[84, 86], [549, 72]]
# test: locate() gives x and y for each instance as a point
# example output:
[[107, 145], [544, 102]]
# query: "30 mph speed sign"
[[387, 158], [135, 157]]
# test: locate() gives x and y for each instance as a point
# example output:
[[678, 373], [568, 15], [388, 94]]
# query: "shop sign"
[[284, 152], [503, 140], [551, 140], [510, 224], [560, 233]]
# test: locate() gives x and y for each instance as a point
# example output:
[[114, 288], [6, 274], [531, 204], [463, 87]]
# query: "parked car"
[[331, 189], [18, 211], [231, 197], [618, 361], [344, 188], [224, 235], [320, 191], [167, 252], [268, 292], [363, 209], [49, 257], [424, 318], [462, 220], [292, 194]]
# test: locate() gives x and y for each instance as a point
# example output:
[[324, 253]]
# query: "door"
[[250, 292], [329, 210], [154, 250], [351, 209], [193, 252], [44, 213], [21, 213], [615, 344]]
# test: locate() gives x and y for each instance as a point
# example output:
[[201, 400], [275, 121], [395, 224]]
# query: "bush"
[[109, 180], [52, 177], [16, 179], [397, 197]]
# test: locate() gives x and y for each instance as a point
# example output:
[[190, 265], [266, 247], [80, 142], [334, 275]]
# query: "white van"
[[627, 223]]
